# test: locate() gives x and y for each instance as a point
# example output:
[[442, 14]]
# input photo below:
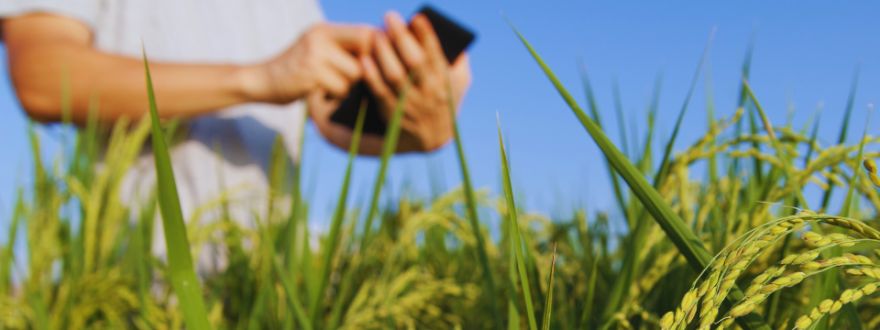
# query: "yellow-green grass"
[[738, 248]]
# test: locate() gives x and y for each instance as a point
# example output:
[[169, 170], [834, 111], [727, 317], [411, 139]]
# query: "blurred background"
[[805, 56]]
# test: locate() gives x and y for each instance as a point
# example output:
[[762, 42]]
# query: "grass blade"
[[548, 304], [644, 163], [292, 295], [7, 254], [515, 237], [667, 152], [331, 245], [621, 123], [774, 142], [850, 193], [295, 207], [631, 259], [587, 313], [594, 111], [180, 265], [688, 244], [841, 138], [474, 220], [389, 145]]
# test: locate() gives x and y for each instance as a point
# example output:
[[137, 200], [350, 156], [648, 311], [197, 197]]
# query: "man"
[[238, 72]]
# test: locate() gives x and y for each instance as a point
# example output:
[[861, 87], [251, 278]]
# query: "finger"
[[375, 81], [344, 63], [315, 102], [391, 67], [404, 41], [426, 35], [380, 89], [460, 75], [353, 38], [333, 82]]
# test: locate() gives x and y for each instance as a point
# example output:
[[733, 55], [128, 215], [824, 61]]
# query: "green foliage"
[[445, 262], [181, 271]]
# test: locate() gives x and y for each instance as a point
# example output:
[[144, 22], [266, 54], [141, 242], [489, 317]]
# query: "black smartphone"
[[453, 37]]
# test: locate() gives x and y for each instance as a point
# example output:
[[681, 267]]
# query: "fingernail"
[[393, 16], [421, 18]]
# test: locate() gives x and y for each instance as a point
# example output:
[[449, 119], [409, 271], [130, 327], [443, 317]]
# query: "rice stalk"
[[687, 243], [183, 276]]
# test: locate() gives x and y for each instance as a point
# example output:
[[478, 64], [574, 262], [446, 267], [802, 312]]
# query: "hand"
[[423, 71], [323, 60]]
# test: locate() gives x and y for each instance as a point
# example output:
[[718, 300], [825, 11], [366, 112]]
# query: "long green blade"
[[667, 152], [389, 145], [180, 265], [548, 304], [331, 245], [688, 244], [641, 228], [621, 122], [594, 111], [841, 138], [774, 142], [291, 232], [292, 295], [474, 220], [515, 237]]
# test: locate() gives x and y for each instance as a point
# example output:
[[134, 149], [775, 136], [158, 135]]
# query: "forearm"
[[117, 84]]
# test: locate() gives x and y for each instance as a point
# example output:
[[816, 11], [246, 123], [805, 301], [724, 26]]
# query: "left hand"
[[412, 59]]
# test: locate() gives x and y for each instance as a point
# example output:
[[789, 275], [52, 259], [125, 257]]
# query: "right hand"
[[323, 60]]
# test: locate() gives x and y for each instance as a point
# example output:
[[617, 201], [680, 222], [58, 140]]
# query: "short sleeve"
[[85, 11]]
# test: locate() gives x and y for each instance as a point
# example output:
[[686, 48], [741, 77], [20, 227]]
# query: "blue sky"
[[805, 54]]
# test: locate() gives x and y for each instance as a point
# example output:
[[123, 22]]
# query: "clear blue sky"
[[805, 53]]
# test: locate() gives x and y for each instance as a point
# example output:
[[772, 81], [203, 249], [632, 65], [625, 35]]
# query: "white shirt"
[[234, 143], [226, 153]]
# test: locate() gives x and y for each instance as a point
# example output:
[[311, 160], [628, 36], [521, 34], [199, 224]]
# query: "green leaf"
[[473, 218], [389, 145], [291, 293], [841, 137], [331, 245], [515, 237], [180, 265], [667, 152], [594, 111], [548, 304], [688, 244]]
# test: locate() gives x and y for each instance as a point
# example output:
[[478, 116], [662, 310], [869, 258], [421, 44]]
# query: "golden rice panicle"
[[762, 279], [854, 225], [868, 271], [682, 315], [871, 168], [737, 261], [816, 240], [847, 259], [727, 267], [828, 306], [666, 321]]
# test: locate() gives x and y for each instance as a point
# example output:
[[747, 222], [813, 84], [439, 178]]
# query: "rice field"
[[720, 234]]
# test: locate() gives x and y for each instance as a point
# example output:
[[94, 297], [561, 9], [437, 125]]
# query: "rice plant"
[[719, 234]]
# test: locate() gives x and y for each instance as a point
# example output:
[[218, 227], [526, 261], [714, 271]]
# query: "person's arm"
[[47, 51]]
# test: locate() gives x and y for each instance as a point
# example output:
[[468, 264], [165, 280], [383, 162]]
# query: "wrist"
[[254, 83]]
